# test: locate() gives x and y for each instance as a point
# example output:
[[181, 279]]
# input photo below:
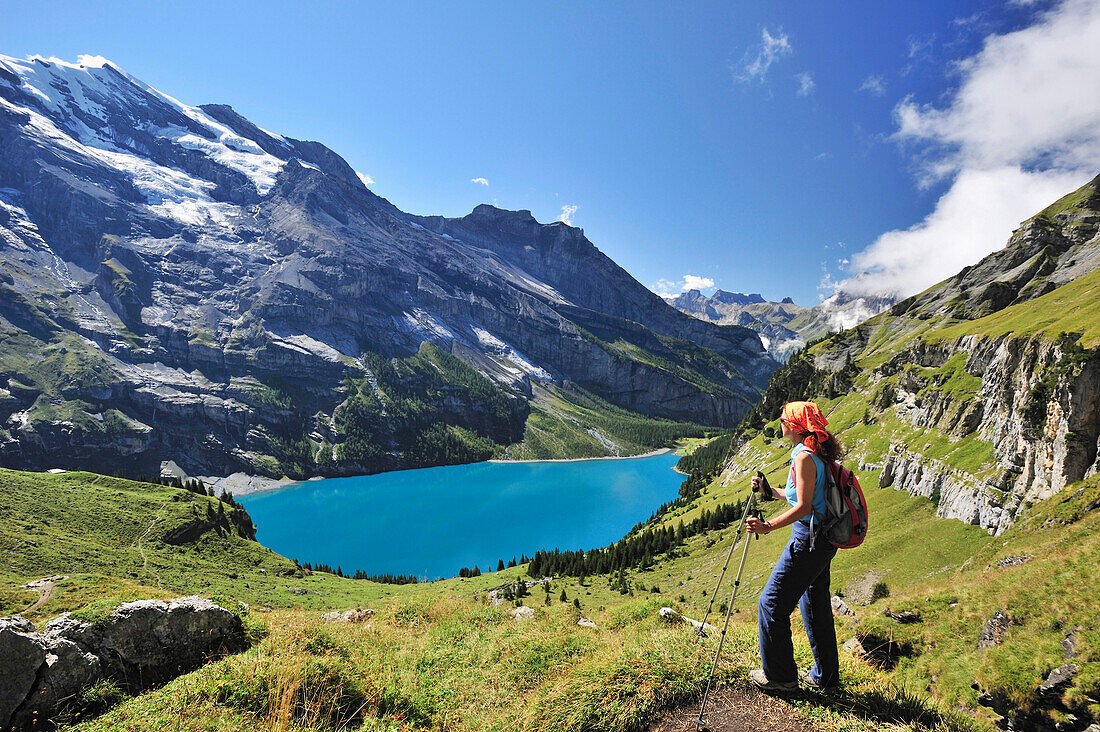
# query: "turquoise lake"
[[433, 521]]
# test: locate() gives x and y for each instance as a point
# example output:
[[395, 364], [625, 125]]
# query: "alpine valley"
[[181, 285]]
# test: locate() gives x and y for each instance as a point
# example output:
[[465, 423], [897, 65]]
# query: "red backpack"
[[845, 522]]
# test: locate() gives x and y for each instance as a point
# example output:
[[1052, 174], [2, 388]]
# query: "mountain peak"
[[485, 210], [736, 298]]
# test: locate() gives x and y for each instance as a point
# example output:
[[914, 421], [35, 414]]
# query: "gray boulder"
[[150, 641], [22, 653], [993, 632], [68, 670], [139, 645]]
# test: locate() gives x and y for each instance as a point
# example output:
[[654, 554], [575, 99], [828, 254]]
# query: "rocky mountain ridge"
[[784, 327], [180, 284]]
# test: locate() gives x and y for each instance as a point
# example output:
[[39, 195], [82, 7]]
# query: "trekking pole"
[[750, 510], [749, 507]]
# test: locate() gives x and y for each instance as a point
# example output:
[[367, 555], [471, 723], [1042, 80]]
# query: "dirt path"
[[145, 559], [733, 709], [46, 589]]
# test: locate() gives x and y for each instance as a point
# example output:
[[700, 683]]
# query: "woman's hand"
[[757, 526], [756, 484]]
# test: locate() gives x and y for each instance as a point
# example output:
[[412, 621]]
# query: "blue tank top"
[[791, 491]]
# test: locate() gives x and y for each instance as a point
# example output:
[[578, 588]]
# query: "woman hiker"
[[801, 576]]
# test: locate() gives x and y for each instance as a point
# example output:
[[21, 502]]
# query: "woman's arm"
[[805, 478]]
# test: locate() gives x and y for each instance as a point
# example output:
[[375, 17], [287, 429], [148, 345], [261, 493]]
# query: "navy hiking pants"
[[800, 577]]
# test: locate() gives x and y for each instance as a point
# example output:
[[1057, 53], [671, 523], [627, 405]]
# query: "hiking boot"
[[762, 682], [814, 686]]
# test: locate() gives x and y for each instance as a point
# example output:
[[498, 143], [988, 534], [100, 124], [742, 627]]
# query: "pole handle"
[[765, 487]]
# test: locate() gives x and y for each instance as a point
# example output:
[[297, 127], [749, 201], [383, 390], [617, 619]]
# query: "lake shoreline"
[[243, 484], [652, 453], [430, 522]]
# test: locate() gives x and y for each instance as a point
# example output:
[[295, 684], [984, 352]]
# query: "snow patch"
[[304, 164], [495, 346], [95, 62], [67, 93], [307, 345], [423, 322]]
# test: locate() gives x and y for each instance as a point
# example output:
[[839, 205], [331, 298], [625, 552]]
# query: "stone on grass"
[[674, 617], [840, 608], [586, 623], [854, 647], [522, 613], [348, 616], [905, 617], [993, 632]]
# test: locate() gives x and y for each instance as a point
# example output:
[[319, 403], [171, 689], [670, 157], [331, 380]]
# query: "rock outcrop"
[[1038, 405], [137, 646]]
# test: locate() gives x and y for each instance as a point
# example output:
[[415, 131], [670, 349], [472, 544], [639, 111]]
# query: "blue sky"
[[760, 147]]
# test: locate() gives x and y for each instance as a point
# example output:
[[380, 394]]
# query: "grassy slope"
[[1072, 308], [1051, 594], [436, 655], [105, 533], [561, 425]]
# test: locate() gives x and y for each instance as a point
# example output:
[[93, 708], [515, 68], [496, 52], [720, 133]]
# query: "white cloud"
[[921, 46], [97, 62], [875, 84], [567, 212], [694, 282], [669, 289], [805, 84], [967, 22], [480, 181], [1020, 131], [771, 48], [367, 180], [975, 217]]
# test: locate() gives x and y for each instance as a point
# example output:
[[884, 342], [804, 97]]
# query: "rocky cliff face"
[[1038, 405], [179, 284]]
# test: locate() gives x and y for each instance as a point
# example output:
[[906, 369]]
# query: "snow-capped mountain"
[[783, 327], [166, 268]]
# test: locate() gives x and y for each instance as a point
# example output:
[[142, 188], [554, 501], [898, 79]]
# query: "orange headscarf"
[[806, 419]]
